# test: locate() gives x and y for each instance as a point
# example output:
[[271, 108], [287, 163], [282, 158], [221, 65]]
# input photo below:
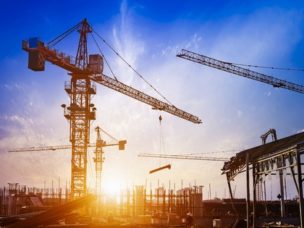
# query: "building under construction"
[[135, 207], [138, 206]]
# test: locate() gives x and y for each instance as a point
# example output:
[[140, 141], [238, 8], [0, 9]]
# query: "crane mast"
[[80, 112], [98, 158], [231, 68]]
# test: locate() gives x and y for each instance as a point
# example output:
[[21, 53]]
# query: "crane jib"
[[231, 68], [138, 95], [41, 53]]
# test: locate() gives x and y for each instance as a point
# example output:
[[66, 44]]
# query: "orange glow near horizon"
[[112, 187]]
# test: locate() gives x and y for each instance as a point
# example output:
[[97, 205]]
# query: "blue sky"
[[148, 34]]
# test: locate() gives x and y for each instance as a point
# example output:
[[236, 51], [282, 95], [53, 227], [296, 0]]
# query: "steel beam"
[[300, 184]]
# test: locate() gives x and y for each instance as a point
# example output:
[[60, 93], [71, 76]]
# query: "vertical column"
[[255, 181], [151, 200], [133, 202], [248, 191], [300, 185], [232, 199], [282, 194], [79, 113]]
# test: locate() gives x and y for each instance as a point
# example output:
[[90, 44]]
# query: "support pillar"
[[282, 194], [294, 178], [300, 185], [232, 201], [248, 191], [255, 180]]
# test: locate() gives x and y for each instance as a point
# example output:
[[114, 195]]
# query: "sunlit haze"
[[148, 34]]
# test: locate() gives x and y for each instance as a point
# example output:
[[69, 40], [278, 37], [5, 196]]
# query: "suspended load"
[[160, 168]]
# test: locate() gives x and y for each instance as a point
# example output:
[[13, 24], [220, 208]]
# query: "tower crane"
[[183, 156], [232, 68], [98, 159], [62, 147], [84, 70]]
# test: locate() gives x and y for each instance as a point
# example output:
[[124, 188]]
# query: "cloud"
[[130, 47], [234, 111], [12, 86], [192, 44], [217, 98]]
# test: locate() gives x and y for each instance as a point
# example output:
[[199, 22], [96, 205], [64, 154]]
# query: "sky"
[[235, 111]]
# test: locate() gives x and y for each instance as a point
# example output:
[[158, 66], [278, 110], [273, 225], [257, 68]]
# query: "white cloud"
[[129, 46], [219, 99]]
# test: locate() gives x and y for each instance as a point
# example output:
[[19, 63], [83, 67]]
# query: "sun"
[[112, 187]]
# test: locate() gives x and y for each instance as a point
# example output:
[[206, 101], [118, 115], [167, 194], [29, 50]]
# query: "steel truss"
[[279, 161]]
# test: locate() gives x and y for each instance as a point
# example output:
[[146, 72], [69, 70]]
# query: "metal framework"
[[61, 147], [271, 132], [81, 111], [98, 159], [231, 68], [181, 156], [140, 96], [82, 52], [80, 114], [283, 154]]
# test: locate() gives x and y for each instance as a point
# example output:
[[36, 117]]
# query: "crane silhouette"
[[84, 70]]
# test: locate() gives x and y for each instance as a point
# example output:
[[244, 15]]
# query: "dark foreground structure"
[[279, 157], [134, 207]]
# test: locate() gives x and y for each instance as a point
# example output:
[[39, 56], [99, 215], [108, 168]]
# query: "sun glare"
[[112, 188]]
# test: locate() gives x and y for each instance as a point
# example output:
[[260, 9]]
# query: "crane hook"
[[160, 119]]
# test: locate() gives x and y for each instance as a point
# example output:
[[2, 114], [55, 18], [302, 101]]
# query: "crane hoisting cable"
[[161, 146]]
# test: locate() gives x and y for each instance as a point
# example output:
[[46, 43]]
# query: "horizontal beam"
[[187, 157], [140, 96], [50, 148], [231, 68]]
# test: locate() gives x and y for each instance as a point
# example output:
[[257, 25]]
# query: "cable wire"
[[161, 142], [217, 152], [63, 35], [266, 67], [103, 56], [69, 31], [112, 137], [138, 74]]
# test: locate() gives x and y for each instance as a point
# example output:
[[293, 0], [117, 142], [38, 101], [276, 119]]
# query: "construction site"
[[269, 174]]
